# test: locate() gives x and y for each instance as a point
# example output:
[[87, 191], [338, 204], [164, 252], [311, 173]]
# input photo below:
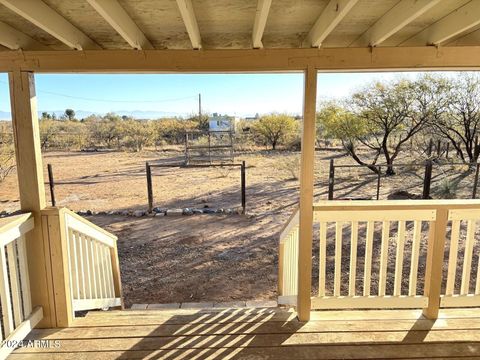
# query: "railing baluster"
[[14, 283], [93, 281], [24, 278], [86, 266], [384, 258], [467, 261], [399, 258], [81, 262], [322, 259], [98, 279], [338, 258], [368, 259], [353, 258], [417, 233], [110, 272], [76, 265], [452, 257], [7, 316]]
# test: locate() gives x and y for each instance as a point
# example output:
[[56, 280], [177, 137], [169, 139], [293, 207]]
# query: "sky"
[[232, 94]]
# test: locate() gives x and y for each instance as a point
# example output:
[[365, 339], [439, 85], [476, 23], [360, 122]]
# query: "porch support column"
[[31, 184], [306, 195]]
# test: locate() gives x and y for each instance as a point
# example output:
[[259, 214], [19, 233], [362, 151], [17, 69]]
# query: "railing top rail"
[[293, 221], [332, 205], [13, 227]]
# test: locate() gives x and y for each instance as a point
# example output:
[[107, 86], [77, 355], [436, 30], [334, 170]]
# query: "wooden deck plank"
[[266, 328], [356, 351]]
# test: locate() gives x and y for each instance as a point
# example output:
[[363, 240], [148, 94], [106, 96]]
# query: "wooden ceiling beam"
[[190, 21], [328, 20], [47, 19], [119, 19], [15, 40], [261, 15], [220, 61], [398, 17], [457, 22]]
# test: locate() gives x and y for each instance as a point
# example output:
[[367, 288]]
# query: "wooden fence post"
[[51, 183], [378, 181], [435, 254], [331, 179], [243, 180], [427, 179], [475, 182], [307, 165], [149, 187]]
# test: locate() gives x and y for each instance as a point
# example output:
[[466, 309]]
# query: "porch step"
[[208, 305]]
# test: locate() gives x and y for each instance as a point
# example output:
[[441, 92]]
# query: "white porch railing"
[[92, 263], [18, 317], [288, 262], [421, 254]]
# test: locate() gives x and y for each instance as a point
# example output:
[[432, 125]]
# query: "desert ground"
[[216, 257]]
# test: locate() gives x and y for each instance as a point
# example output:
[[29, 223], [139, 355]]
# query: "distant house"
[[221, 123]]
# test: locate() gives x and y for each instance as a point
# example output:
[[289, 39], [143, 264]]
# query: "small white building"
[[218, 122]]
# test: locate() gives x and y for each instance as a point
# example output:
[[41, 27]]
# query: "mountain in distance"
[[80, 114]]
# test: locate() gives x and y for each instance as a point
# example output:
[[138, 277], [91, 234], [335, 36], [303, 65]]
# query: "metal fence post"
[[51, 183], [331, 179], [149, 187], [243, 180]]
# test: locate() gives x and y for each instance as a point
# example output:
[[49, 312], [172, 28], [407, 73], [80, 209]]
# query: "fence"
[[427, 178], [219, 147], [18, 317], [149, 167]]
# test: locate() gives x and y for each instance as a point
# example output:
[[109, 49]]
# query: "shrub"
[[289, 165], [7, 159], [447, 189]]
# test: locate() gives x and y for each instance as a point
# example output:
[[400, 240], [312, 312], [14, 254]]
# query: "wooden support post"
[[331, 179], [31, 187], [117, 281], [54, 231], [306, 196], [243, 181], [475, 182], [51, 183], [427, 180], [435, 253], [149, 187]]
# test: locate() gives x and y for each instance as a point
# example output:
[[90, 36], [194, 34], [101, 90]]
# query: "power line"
[[112, 100]]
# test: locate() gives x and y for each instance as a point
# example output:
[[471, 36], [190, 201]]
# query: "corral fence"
[[209, 147], [148, 168], [427, 178]]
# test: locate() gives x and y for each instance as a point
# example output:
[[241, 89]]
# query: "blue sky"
[[234, 94]]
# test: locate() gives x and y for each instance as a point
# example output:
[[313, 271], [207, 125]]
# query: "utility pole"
[[199, 108]]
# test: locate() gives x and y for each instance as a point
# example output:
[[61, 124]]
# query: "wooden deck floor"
[[261, 334]]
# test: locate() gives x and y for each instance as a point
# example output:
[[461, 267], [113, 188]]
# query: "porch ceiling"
[[235, 24]]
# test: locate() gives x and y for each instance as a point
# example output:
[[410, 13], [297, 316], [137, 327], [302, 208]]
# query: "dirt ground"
[[207, 257]]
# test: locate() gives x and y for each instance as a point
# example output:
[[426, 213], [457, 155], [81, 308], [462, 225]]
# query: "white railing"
[[383, 237], [92, 263], [461, 288], [18, 317], [288, 262]]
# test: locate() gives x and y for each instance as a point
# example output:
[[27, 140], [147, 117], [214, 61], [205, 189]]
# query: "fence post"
[[435, 254], [149, 187], [331, 179], [378, 181], [186, 148], [243, 178], [475, 182], [51, 183], [446, 153], [429, 149], [439, 148], [427, 179]]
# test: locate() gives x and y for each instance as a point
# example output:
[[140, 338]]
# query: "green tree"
[[69, 114], [275, 129]]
